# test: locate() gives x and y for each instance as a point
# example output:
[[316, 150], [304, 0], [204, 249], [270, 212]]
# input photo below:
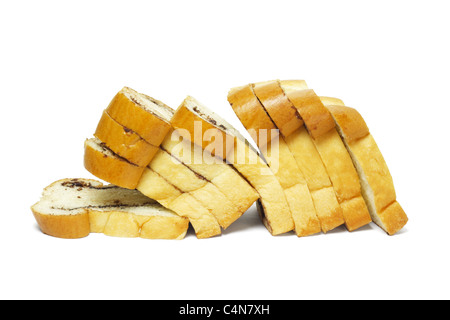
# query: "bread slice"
[[300, 148], [215, 170], [188, 181], [376, 181], [124, 142], [277, 154], [108, 166], [73, 208], [195, 121], [156, 187], [334, 155], [146, 116]]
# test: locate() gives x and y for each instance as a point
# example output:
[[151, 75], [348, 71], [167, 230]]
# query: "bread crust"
[[111, 168], [63, 226], [124, 142], [350, 122], [249, 111], [146, 124], [317, 119], [126, 225], [279, 108]]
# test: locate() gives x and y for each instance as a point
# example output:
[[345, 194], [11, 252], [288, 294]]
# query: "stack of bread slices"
[[317, 168]]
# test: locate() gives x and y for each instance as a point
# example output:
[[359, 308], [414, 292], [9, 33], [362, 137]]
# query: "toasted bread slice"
[[156, 187], [73, 208], [277, 153], [376, 181], [195, 121], [334, 155]]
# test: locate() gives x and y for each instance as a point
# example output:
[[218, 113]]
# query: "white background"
[[61, 63]]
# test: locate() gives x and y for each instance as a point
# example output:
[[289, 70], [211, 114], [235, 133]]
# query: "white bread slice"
[[238, 152], [146, 116], [124, 142], [73, 208], [376, 181], [156, 187], [188, 181], [108, 166], [244, 102], [334, 155], [215, 170]]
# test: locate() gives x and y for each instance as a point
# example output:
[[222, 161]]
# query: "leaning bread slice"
[[278, 156], [195, 122], [214, 169], [124, 141], [73, 208], [108, 166], [156, 187], [376, 180], [188, 181], [147, 117], [334, 155]]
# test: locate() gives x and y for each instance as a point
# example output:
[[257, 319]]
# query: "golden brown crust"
[[280, 109], [331, 101], [124, 142], [393, 218], [111, 168], [63, 226], [317, 118], [129, 114], [351, 123], [250, 112]]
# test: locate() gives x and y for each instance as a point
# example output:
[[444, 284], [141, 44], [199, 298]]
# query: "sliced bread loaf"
[[196, 121], [73, 208], [376, 181], [277, 154], [334, 155], [297, 147]]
